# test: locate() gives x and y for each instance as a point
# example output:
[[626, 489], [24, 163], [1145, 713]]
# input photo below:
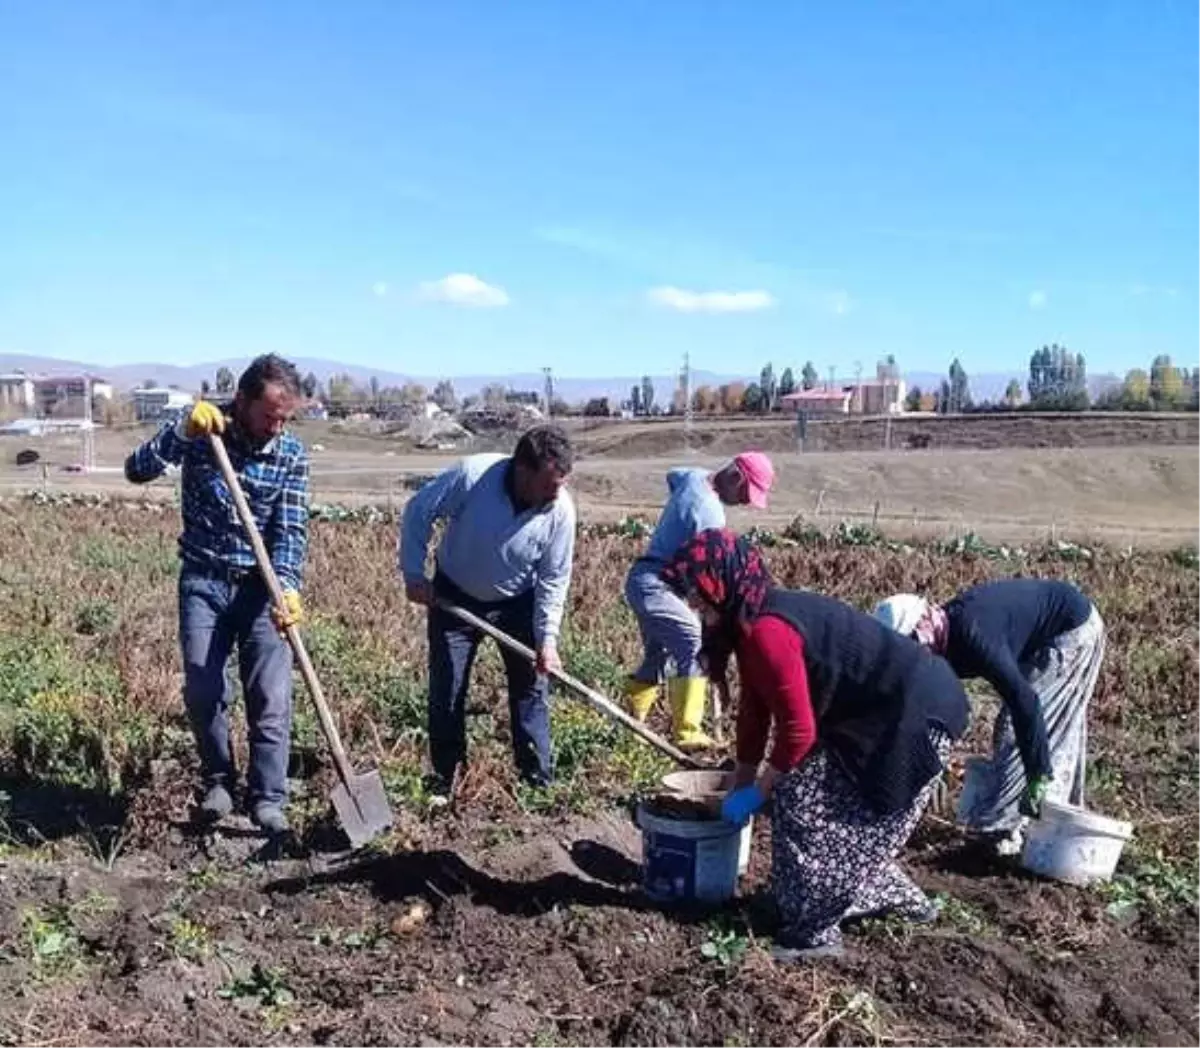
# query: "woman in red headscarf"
[[860, 722]]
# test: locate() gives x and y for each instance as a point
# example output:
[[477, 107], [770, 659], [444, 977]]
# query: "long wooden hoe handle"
[[593, 697], [267, 570]]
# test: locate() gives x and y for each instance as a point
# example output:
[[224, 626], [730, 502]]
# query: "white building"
[[153, 403], [17, 391]]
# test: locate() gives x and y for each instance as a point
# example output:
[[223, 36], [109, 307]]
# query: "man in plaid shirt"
[[223, 599]]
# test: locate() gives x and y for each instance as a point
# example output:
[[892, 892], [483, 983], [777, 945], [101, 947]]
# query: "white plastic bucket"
[[1074, 845], [686, 860], [709, 786]]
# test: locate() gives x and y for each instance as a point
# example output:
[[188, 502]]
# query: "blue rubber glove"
[[741, 802]]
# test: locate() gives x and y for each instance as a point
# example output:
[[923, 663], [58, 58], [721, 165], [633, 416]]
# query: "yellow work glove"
[[291, 614], [205, 418]]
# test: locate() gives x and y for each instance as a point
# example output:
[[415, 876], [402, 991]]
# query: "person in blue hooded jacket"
[[671, 631]]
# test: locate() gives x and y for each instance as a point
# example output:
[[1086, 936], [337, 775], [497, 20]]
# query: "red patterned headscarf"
[[723, 570]]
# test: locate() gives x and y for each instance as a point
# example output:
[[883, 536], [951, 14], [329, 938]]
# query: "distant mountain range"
[[986, 386]]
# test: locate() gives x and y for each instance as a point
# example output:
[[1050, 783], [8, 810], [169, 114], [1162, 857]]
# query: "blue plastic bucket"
[[688, 860]]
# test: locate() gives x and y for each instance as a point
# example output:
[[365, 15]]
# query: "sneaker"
[[269, 817], [216, 805]]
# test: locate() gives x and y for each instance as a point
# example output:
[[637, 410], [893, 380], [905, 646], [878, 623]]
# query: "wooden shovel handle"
[[593, 697], [267, 570]]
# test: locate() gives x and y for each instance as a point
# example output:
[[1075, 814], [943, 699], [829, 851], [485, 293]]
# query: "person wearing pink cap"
[[671, 631]]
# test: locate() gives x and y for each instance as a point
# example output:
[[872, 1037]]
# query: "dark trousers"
[[452, 648], [214, 615]]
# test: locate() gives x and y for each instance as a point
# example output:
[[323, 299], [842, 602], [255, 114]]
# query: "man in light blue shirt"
[[671, 632], [506, 555]]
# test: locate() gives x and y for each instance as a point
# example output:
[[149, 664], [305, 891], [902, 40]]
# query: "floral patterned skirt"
[[834, 855]]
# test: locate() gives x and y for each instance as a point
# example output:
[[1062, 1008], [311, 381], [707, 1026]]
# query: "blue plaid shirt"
[[275, 480]]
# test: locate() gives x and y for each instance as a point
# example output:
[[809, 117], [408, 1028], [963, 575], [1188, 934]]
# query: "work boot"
[[640, 697], [689, 695], [269, 817], [216, 804]]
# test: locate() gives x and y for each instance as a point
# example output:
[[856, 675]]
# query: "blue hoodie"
[[693, 507]]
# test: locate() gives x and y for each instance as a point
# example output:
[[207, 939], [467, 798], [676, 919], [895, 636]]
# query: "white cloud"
[[839, 303], [1037, 299], [379, 289], [710, 301], [463, 289]]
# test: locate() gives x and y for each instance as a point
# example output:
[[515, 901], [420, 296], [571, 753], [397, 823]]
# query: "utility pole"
[[89, 442], [549, 392], [858, 387], [687, 398]]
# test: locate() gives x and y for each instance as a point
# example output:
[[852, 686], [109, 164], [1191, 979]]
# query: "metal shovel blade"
[[362, 809]]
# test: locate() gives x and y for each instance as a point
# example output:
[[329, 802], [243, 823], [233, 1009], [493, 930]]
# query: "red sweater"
[[774, 688]]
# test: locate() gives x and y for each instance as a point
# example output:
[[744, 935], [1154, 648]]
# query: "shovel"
[[592, 697], [359, 800]]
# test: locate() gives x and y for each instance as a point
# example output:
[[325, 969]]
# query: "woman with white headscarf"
[[1039, 643]]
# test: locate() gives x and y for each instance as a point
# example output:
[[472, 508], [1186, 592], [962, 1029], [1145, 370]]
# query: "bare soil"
[[536, 932]]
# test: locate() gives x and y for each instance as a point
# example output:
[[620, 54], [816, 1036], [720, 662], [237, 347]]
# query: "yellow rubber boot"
[[640, 697], [689, 696]]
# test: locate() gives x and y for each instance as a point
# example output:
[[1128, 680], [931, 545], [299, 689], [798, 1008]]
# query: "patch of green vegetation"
[[1186, 557], [855, 1019], [963, 917], [591, 665], [1105, 783], [362, 667], [53, 941], [889, 928], [562, 796], [208, 876], [154, 555], [36, 662], [1154, 668], [724, 943], [95, 617], [405, 783], [79, 740], [63, 718], [582, 738], [350, 940], [268, 987], [637, 765], [190, 940], [1151, 884]]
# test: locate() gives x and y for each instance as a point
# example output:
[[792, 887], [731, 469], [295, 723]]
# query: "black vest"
[[875, 696]]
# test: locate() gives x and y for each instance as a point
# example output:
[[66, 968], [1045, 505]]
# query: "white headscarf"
[[902, 612]]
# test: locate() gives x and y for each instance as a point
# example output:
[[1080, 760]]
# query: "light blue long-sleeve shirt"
[[491, 549], [693, 506]]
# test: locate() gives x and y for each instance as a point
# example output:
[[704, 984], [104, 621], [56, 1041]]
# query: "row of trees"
[[1164, 387], [1058, 382], [761, 397]]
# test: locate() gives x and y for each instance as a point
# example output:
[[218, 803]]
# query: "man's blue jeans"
[[214, 615], [452, 648]]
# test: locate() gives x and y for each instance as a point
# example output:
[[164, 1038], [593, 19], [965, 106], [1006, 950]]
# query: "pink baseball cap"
[[759, 474]]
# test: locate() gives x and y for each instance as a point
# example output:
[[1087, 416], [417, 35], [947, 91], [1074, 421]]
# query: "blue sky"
[[480, 187]]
